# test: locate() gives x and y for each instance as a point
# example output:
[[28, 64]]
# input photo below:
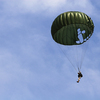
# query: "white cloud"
[[47, 7], [31, 6]]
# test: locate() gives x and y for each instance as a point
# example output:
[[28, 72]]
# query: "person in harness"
[[79, 76]]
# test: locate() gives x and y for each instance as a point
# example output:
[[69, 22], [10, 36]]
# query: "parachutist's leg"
[[78, 79]]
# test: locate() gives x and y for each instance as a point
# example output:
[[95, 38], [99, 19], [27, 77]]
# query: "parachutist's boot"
[[78, 81]]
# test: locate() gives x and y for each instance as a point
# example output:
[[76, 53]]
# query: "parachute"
[[72, 28], [65, 26]]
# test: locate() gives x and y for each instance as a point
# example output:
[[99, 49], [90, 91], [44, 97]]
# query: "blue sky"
[[32, 67]]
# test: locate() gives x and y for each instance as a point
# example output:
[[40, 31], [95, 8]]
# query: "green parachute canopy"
[[68, 26]]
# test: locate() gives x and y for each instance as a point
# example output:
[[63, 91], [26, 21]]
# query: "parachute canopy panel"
[[68, 27]]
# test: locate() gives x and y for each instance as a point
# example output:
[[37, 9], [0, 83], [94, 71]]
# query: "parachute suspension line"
[[77, 58], [68, 59], [78, 69], [84, 55]]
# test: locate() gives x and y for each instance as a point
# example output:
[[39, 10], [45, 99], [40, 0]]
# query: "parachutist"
[[79, 76]]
